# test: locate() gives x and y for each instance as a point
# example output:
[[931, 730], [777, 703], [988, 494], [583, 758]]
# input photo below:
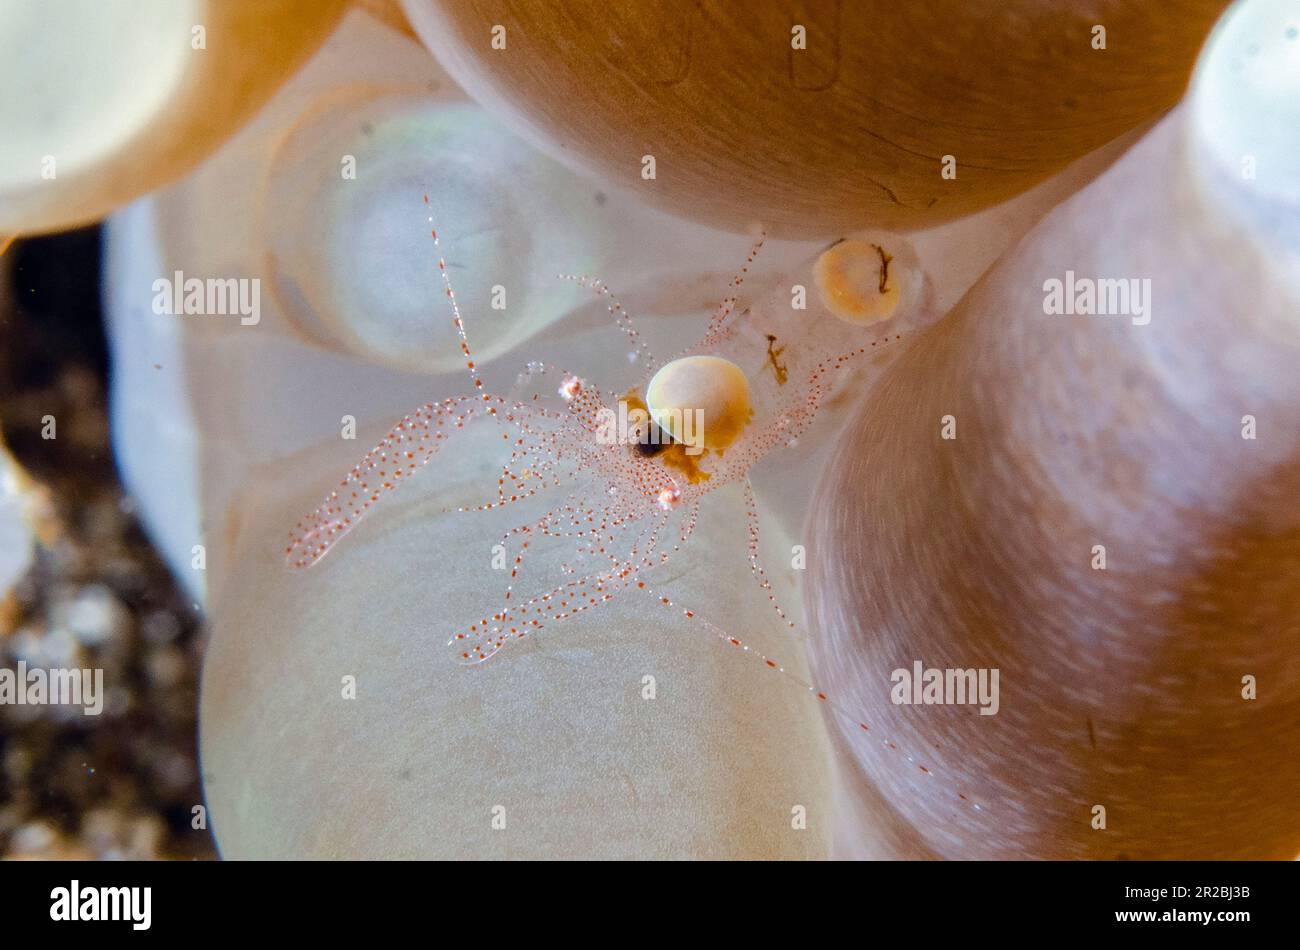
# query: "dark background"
[[123, 784]]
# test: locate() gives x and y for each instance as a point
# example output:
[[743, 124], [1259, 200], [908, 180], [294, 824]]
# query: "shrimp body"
[[628, 490], [635, 489]]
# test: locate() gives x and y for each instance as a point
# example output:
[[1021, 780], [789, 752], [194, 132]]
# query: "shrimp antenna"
[[728, 304], [621, 317], [456, 320]]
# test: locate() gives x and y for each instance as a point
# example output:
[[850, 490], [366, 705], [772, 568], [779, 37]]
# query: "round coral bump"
[[858, 281], [701, 401], [873, 113], [103, 102]]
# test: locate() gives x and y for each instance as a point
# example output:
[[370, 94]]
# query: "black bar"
[[211, 899]]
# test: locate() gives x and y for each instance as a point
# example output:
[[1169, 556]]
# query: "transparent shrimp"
[[629, 498]]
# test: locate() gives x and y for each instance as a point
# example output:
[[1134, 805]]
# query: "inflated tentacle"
[[914, 757]]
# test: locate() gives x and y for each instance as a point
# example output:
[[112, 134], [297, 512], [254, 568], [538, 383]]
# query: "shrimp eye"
[[701, 401], [857, 282], [651, 446]]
